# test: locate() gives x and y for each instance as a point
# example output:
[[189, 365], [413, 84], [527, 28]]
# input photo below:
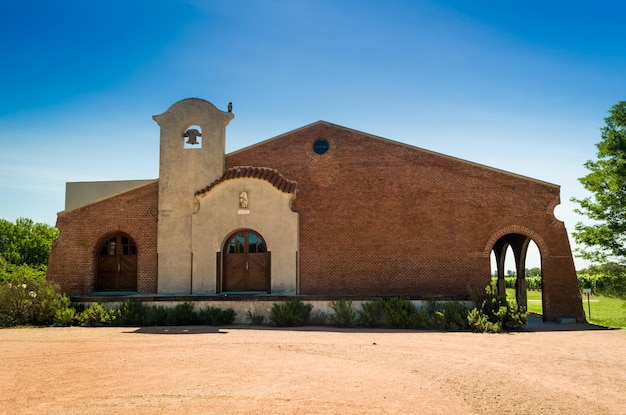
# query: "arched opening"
[[192, 137], [246, 263], [516, 255], [116, 264]]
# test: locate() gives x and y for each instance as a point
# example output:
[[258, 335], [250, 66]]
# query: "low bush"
[[135, 313], [155, 315], [344, 315], [97, 315], [400, 313], [65, 317], [182, 315], [290, 313], [451, 316], [131, 313], [255, 319], [29, 302], [212, 316], [372, 314], [494, 314]]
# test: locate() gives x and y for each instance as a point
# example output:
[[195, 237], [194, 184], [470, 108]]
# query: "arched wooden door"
[[117, 264], [246, 263]]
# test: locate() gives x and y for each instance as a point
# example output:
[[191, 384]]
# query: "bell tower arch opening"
[[192, 138]]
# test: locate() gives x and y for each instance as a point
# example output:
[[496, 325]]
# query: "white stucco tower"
[[193, 145]]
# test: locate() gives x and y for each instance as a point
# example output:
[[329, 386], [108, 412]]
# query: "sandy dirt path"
[[239, 370]]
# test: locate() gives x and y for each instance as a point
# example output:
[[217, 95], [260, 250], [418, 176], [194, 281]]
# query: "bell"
[[192, 136]]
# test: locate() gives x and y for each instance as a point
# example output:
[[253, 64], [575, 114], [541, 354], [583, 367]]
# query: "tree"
[[607, 279], [606, 236], [25, 242], [533, 272]]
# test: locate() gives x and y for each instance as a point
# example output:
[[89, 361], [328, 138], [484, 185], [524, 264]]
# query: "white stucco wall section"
[[82, 193], [269, 214]]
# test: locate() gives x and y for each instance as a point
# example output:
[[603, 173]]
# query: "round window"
[[320, 146]]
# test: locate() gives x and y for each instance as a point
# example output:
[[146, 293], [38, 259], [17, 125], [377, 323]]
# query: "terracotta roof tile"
[[262, 173]]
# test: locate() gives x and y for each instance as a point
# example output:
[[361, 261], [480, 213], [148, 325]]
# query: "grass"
[[605, 311], [534, 299]]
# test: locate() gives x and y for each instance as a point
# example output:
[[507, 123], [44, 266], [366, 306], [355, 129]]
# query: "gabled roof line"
[[270, 175], [149, 182], [484, 166]]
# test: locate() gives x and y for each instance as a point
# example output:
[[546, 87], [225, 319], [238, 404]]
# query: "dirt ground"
[[241, 370]]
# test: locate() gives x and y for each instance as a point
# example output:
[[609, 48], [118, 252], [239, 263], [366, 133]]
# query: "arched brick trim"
[[541, 243], [263, 173], [550, 208]]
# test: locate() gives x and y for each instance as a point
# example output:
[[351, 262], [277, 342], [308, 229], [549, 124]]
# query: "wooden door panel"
[[107, 271], [106, 281], [117, 267], [246, 265], [108, 264], [234, 272], [127, 276], [257, 280]]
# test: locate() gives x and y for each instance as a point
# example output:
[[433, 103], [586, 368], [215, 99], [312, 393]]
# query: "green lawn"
[[534, 300], [605, 311]]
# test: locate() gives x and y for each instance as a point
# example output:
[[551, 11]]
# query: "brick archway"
[[518, 238]]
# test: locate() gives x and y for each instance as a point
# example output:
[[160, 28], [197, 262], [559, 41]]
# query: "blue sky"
[[520, 86]]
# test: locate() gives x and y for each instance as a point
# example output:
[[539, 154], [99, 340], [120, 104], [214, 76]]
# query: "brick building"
[[319, 211]]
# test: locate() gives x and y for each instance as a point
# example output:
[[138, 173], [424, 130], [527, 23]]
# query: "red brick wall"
[[377, 217], [72, 261], [382, 218]]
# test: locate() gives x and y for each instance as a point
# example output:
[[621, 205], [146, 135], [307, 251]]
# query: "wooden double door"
[[117, 264], [246, 263]]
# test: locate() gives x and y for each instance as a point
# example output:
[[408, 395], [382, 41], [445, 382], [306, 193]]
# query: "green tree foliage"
[[606, 279], [533, 272], [606, 236], [25, 242]]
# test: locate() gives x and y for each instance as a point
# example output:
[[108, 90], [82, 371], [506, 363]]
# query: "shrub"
[[480, 322], [372, 314], [131, 313], [17, 303], [533, 283], [136, 313], [344, 315], [290, 313], [255, 319], [451, 316], [156, 315], [29, 301], [400, 313], [97, 315], [212, 316], [181, 315], [65, 317], [494, 313]]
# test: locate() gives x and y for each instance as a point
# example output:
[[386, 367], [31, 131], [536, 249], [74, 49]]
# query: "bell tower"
[[193, 146]]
